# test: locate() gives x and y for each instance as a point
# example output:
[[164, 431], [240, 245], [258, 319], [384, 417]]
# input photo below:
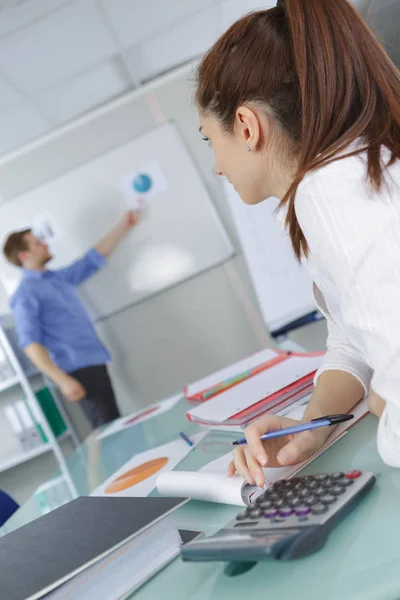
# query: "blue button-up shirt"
[[47, 310]]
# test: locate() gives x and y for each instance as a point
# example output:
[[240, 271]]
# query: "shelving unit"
[[23, 457], [23, 373], [6, 385]]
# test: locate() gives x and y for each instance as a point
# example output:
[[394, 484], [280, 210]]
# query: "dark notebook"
[[38, 557]]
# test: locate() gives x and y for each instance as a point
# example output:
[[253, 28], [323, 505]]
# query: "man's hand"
[[107, 245], [72, 389], [130, 219]]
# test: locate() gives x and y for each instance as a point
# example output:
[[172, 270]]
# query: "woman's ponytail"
[[324, 76]]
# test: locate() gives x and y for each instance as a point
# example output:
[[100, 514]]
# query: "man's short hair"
[[16, 243]]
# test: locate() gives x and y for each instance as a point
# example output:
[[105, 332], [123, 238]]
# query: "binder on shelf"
[[51, 412], [34, 439], [38, 418], [16, 425]]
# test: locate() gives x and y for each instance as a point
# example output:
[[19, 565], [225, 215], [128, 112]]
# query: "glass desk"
[[359, 562]]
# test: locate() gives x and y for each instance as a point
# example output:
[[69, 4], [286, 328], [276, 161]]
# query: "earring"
[[248, 149]]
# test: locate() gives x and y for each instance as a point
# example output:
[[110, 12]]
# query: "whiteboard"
[[179, 233], [282, 286]]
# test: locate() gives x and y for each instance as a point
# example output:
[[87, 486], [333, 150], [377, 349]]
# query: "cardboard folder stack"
[[273, 381]]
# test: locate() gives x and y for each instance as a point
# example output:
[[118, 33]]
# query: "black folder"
[[37, 558]]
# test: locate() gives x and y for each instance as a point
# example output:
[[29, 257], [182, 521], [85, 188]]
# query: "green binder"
[[52, 414]]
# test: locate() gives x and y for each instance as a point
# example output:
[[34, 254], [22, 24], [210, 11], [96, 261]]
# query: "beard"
[[47, 259]]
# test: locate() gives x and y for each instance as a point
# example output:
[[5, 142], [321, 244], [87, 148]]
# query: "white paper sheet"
[[45, 228], [294, 411], [138, 476], [256, 388], [139, 416], [148, 182], [232, 371], [212, 484], [211, 487]]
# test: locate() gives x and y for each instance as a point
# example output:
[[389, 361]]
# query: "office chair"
[[8, 506]]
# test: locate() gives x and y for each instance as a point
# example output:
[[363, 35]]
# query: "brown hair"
[[320, 72], [15, 244]]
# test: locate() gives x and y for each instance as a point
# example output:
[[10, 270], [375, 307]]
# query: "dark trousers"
[[99, 405]]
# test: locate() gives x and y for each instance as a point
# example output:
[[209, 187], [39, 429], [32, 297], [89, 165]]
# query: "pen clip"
[[334, 419]]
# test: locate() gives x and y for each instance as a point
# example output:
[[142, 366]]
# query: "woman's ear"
[[248, 126]]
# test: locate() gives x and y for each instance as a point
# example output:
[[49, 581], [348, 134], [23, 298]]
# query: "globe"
[[142, 183]]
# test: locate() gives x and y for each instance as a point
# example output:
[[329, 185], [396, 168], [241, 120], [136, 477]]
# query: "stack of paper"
[[210, 386], [271, 390]]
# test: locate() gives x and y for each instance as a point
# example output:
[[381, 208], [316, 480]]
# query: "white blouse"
[[353, 233]]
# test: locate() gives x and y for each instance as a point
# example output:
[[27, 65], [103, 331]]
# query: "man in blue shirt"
[[53, 326]]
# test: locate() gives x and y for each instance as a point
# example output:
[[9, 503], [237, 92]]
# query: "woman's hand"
[[249, 459]]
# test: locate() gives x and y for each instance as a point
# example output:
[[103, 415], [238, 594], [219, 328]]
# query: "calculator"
[[292, 519]]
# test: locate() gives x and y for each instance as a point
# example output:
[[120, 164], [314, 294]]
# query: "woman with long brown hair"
[[302, 103]]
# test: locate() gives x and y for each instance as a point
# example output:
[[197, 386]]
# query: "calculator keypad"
[[319, 509], [302, 500]]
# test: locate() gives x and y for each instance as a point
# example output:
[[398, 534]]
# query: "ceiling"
[[61, 58]]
